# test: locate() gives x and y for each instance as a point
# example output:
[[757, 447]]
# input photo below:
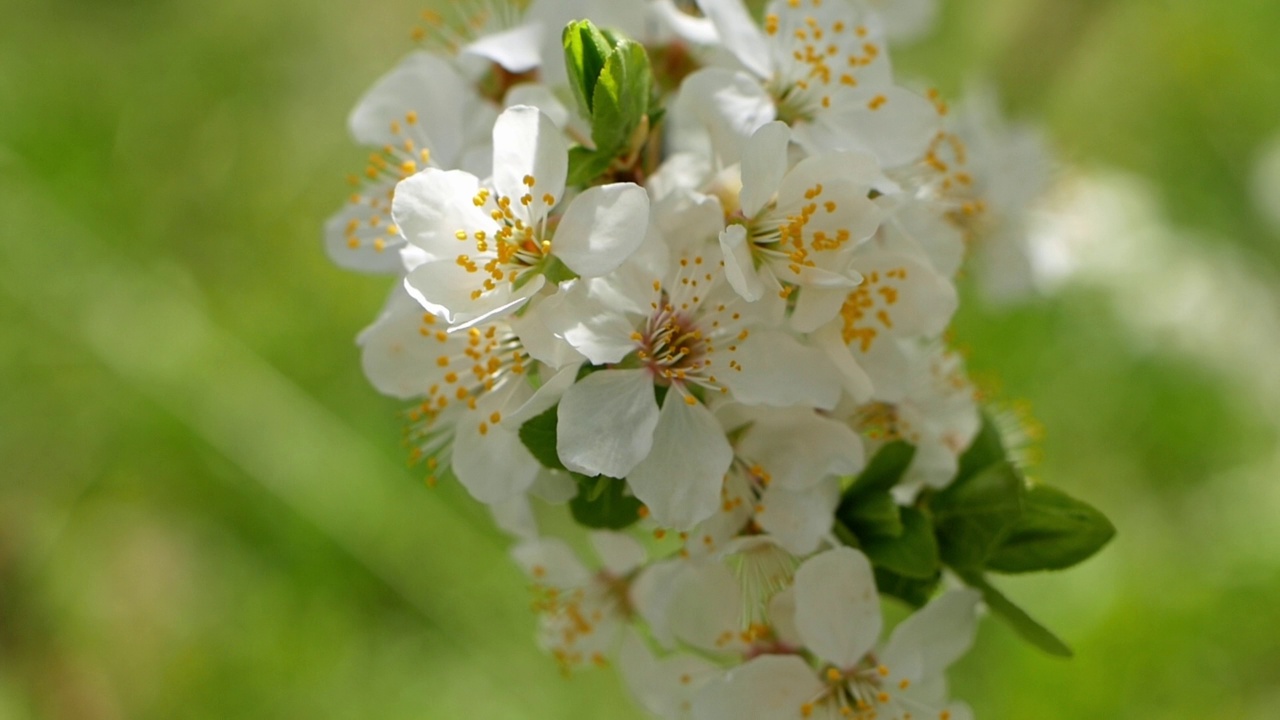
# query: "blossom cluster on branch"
[[686, 269]]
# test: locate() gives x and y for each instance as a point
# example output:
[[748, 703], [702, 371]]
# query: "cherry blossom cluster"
[[683, 271]]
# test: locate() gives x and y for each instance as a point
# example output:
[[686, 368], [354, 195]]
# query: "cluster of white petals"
[[727, 329]]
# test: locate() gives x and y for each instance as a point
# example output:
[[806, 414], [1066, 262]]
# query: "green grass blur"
[[204, 509]]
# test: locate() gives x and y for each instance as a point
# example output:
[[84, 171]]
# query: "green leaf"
[[914, 592], [1055, 531], [914, 554], [586, 165], [973, 515], [986, 450], [871, 516], [586, 49], [603, 503], [1017, 618], [621, 98], [884, 471], [539, 435]]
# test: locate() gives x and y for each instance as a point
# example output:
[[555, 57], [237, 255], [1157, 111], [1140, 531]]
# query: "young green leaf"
[[914, 554], [586, 49], [539, 435], [914, 592], [986, 450], [621, 98], [1055, 531], [884, 471], [871, 516], [586, 165], [973, 515], [603, 503], [1017, 618]]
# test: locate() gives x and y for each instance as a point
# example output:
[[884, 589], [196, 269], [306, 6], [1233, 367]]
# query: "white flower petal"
[[936, 635], [738, 264], [606, 422], [680, 479], [515, 517], [398, 360], [493, 464], [445, 285], [430, 208], [554, 487], [517, 50], [855, 380], [705, 609], [837, 607], [770, 687], [798, 447], [591, 326], [739, 33], [416, 86], [799, 520], [361, 236], [816, 306], [764, 164], [550, 561], [729, 106], [527, 144], [896, 131], [601, 228], [664, 687], [619, 553], [778, 371]]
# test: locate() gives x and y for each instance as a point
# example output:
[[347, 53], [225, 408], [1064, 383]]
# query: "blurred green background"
[[204, 509]]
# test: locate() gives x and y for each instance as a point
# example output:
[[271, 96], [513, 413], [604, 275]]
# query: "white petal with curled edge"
[[738, 264], [770, 687], [550, 561], [526, 143], [936, 635], [799, 520], [778, 371], [740, 34], [619, 553], [517, 50], [837, 607], [446, 285], [601, 228], [606, 422], [798, 447], [492, 465], [680, 480]]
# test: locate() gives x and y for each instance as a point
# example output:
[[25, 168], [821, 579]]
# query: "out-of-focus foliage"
[[202, 512]]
